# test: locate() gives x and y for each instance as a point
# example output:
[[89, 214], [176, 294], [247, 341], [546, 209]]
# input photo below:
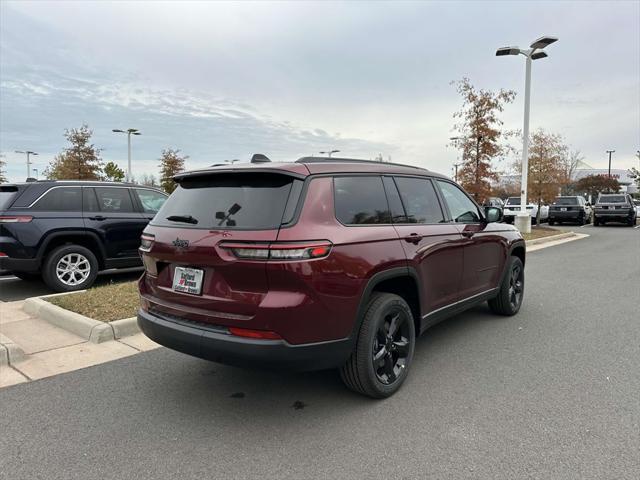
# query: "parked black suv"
[[616, 207], [570, 209], [66, 231]]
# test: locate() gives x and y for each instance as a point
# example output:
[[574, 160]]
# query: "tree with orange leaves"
[[480, 134]]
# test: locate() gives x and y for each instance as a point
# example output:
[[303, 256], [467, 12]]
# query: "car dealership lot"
[[549, 393]]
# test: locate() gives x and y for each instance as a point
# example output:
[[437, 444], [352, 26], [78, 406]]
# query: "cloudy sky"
[[225, 80]]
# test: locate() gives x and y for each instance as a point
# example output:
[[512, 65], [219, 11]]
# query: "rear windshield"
[[612, 199], [7, 194], [238, 200], [513, 201], [566, 201]]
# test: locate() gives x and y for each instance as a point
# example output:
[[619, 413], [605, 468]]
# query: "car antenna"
[[259, 158]]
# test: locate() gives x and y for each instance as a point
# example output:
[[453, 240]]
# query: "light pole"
[[129, 132], [329, 153], [28, 153], [534, 52], [610, 152]]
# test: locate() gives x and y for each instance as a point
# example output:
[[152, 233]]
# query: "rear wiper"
[[182, 218]]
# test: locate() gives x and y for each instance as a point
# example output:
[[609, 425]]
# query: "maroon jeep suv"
[[321, 263]]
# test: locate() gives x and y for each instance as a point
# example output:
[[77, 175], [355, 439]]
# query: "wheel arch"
[[78, 237], [401, 281]]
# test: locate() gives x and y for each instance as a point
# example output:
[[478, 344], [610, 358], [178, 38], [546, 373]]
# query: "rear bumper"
[[28, 265], [570, 215], [218, 345], [614, 215]]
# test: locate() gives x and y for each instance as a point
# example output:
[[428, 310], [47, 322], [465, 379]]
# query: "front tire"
[[69, 268], [511, 293], [384, 348], [551, 223]]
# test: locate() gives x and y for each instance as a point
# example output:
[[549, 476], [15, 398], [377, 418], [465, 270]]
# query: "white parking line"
[[11, 277]]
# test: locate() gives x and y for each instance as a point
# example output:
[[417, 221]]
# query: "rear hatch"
[[198, 236], [613, 202]]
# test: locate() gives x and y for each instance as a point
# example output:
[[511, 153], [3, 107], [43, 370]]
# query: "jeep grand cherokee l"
[[321, 263], [65, 231]]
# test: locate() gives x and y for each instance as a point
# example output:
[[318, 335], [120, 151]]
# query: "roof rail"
[[351, 160]]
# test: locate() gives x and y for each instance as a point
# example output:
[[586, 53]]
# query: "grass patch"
[[541, 232], [105, 303]]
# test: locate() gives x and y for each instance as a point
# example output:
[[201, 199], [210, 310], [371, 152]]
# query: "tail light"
[[146, 241], [279, 251], [16, 219]]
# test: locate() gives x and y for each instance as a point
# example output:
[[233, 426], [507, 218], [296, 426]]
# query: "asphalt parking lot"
[[551, 393]]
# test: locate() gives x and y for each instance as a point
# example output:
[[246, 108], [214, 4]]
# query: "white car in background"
[[512, 208], [636, 203]]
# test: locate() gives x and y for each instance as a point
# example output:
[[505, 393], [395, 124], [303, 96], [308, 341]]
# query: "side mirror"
[[493, 214]]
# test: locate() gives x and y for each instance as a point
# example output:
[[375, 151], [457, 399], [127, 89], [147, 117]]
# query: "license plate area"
[[188, 280], [563, 209]]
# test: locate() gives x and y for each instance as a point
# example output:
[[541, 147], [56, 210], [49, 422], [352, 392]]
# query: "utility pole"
[[610, 152], [28, 153], [129, 132]]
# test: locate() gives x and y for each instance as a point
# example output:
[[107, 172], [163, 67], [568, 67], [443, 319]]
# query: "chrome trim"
[[91, 186], [459, 301]]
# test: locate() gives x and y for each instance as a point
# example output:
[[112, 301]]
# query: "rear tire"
[[596, 222], [551, 223], [384, 348], [69, 268], [509, 298]]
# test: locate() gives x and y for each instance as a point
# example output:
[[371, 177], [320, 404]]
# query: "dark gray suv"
[[614, 207]]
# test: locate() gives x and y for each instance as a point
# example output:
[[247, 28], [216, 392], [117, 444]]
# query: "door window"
[[361, 201], [151, 201], [420, 200], [461, 207], [115, 200], [89, 200], [65, 199]]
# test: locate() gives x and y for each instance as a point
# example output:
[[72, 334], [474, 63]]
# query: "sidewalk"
[[36, 349]]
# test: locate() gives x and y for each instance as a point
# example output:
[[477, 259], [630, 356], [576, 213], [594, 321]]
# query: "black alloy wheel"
[[391, 346]]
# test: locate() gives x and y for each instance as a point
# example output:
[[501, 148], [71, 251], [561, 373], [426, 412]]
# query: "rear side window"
[[360, 201], [150, 200], [246, 201], [62, 199], [116, 200], [7, 194], [461, 208], [420, 200]]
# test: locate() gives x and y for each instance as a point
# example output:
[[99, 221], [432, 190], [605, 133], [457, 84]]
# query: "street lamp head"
[[136, 133], [538, 55], [117, 130], [132, 130], [501, 52], [542, 42]]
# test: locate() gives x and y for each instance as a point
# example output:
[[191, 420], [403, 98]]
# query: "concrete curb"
[[125, 327], [550, 238], [85, 327], [10, 353]]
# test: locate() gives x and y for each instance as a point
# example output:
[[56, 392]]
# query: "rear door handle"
[[467, 233], [413, 238], [98, 217]]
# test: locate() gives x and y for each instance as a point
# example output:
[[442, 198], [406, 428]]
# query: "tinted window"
[[65, 199], [151, 201], [612, 199], [361, 200], [115, 200], [461, 208], [89, 200], [513, 201], [6, 196], [395, 204], [238, 200], [420, 200], [566, 201]]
